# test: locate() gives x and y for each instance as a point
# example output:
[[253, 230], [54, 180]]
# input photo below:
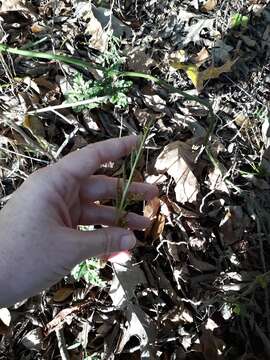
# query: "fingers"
[[84, 162], [106, 215], [101, 187], [99, 242]]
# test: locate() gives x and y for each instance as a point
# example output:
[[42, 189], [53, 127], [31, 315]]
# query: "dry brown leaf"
[[201, 57], [138, 60], [177, 159], [5, 316], [194, 30], [197, 77], [126, 279], [13, 5], [99, 38], [151, 208], [210, 345], [209, 5], [62, 294], [36, 28], [233, 224], [64, 315], [213, 73], [217, 181], [158, 227], [151, 211], [108, 19], [154, 102], [242, 120]]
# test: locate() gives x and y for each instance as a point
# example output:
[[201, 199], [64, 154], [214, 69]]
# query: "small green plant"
[[239, 309], [89, 271], [239, 21], [112, 56], [112, 89]]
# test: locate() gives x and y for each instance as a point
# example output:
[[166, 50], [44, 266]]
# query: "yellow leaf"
[[199, 77]]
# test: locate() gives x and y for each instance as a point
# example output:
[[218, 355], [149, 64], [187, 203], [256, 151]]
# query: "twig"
[[70, 105], [24, 156], [63, 117], [62, 344], [66, 141]]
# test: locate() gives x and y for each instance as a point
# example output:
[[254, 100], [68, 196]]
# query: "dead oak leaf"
[[127, 276], [198, 78], [177, 159]]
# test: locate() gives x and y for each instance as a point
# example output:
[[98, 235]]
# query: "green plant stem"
[[133, 168], [166, 85], [47, 56]]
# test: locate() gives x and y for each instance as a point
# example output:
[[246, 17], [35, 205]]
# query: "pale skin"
[[39, 240]]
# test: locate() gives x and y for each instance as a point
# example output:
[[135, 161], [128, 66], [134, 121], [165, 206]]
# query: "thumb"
[[101, 242]]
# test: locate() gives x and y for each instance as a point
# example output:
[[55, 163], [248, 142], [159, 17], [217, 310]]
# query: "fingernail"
[[128, 241]]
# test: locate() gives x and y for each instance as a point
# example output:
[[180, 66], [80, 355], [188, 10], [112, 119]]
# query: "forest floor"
[[196, 73]]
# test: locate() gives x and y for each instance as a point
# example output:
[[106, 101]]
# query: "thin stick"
[[24, 156], [70, 105]]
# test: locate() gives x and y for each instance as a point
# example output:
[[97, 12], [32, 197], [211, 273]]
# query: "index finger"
[[84, 162]]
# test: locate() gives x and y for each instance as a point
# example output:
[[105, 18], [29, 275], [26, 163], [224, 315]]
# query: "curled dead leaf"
[[177, 159], [126, 278], [151, 208], [62, 294], [151, 211], [158, 227]]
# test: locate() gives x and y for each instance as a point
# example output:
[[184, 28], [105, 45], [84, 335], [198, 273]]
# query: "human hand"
[[39, 240]]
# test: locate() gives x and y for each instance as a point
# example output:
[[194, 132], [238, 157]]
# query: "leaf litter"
[[197, 284]]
